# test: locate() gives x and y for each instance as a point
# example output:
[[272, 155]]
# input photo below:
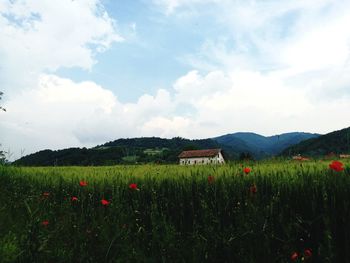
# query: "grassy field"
[[281, 211]]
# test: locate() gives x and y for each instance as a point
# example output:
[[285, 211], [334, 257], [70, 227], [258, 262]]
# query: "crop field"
[[275, 211]]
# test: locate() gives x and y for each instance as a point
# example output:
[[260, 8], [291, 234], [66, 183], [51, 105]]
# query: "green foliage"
[[261, 146], [177, 215], [1, 108], [335, 142], [245, 156], [2, 153], [158, 150], [2, 157], [9, 248], [122, 151]]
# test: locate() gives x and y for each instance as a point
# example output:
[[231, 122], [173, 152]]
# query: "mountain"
[[261, 146], [123, 151], [159, 150], [336, 142]]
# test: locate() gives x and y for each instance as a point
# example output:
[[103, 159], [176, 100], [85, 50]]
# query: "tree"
[[1, 108], [2, 157], [2, 153], [245, 156]]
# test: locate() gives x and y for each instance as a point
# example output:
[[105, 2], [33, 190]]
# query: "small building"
[[208, 156], [300, 158]]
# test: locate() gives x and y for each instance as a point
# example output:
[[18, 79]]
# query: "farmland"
[[276, 211]]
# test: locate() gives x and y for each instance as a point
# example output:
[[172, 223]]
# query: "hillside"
[[159, 150], [261, 146], [336, 142], [123, 151]]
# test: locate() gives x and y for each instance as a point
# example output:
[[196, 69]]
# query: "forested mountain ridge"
[[334, 142], [123, 151], [160, 150], [263, 146]]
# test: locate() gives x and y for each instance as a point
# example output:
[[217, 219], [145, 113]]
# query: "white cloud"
[[324, 47], [267, 75], [43, 36], [167, 127], [265, 35], [263, 103], [46, 35], [60, 113], [193, 86], [297, 52], [169, 6]]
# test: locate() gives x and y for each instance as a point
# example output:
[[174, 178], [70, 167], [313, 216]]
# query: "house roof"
[[199, 153]]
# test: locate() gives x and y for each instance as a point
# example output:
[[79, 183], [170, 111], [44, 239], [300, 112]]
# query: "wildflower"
[[45, 223], [253, 189], [294, 256], [247, 170], [105, 202], [46, 194], [308, 253], [74, 198], [133, 186], [211, 179], [336, 166], [83, 183]]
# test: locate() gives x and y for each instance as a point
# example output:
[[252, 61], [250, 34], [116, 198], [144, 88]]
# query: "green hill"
[[123, 151], [337, 142], [159, 150], [263, 146]]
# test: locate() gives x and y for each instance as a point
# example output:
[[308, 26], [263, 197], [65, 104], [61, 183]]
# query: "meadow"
[[275, 211]]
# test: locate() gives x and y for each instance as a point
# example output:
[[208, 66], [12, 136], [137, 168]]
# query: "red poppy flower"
[[211, 179], [83, 183], [74, 198], [133, 186], [247, 170], [105, 202], [294, 256], [308, 252], [253, 189], [45, 223], [46, 194], [336, 166]]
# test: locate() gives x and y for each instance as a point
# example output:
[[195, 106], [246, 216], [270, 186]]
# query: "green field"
[[176, 214]]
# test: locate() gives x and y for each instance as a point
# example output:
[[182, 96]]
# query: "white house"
[[209, 156]]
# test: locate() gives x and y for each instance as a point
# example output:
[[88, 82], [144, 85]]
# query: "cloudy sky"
[[83, 72]]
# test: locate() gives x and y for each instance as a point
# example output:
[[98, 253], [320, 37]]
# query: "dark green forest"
[[165, 151], [336, 142], [123, 151]]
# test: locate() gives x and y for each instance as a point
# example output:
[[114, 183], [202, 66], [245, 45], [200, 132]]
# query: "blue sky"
[[80, 73], [152, 54]]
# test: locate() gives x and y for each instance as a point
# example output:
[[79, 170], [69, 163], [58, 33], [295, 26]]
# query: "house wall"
[[218, 159]]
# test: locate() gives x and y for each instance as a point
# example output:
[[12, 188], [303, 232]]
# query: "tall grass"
[[177, 215]]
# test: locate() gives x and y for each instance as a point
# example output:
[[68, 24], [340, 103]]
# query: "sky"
[[79, 73]]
